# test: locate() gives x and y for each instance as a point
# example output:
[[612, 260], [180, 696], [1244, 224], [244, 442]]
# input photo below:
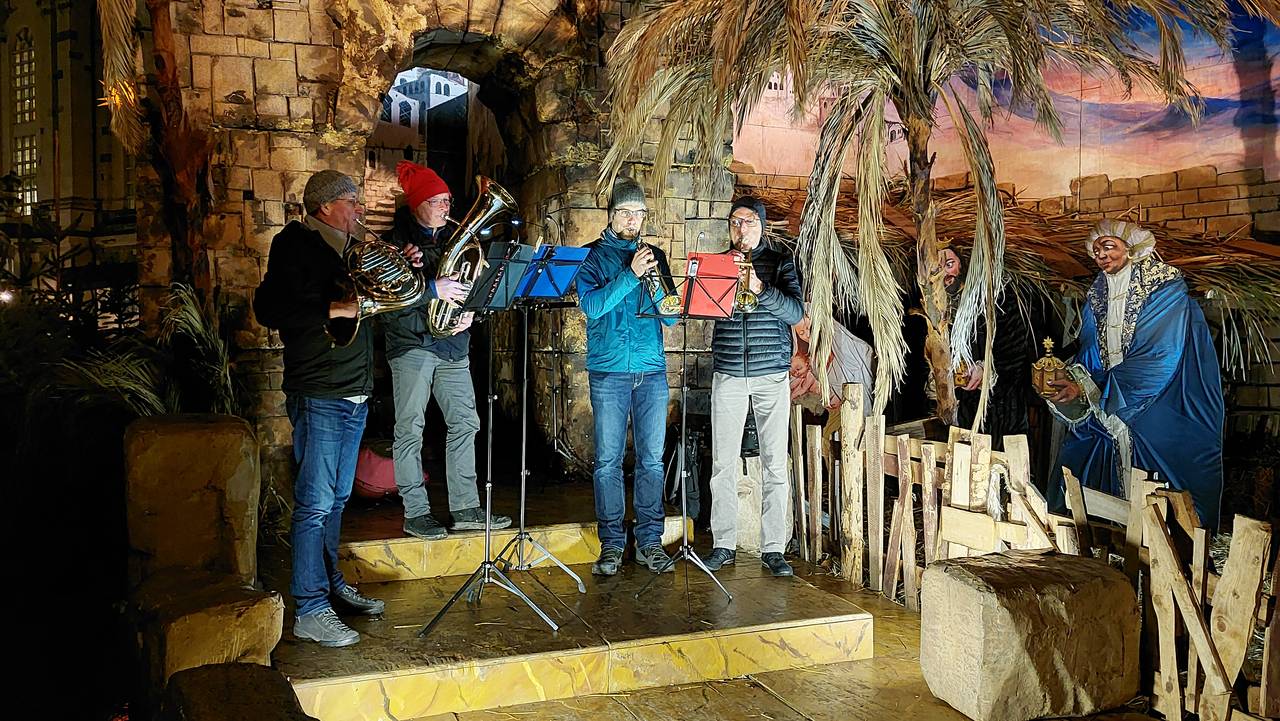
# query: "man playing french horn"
[[326, 385], [423, 366], [751, 355]]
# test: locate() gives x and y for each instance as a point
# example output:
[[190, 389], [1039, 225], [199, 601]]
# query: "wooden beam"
[[873, 442], [977, 530], [893, 553], [981, 479], [1075, 502], [1235, 607], [1199, 562], [813, 437], [961, 474], [1216, 700], [852, 524], [797, 480], [1106, 506], [1269, 701], [929, 497], [910, 580], [1168, 693]]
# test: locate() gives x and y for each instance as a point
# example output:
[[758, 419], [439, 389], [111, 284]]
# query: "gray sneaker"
[[425, 527], [608, 563], [325, 628], [655, 559], [352, 599], [472, 519]]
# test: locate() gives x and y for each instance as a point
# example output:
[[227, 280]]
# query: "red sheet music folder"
[[711, 286]]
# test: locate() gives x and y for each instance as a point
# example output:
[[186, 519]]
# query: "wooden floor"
[[887, 686]]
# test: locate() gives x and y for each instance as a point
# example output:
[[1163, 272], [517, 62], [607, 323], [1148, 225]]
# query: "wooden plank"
[[1216, 699], [1269, 694], [893, 554], [1064, 534], [1106, 506], [961, 477], [910, 581], [873, 438], [929, 497], [977, 530], [1168, 695], [1199, 562], [813, 437], [798, 477], [981, 454], [1235, 605], [1075, 502], [852, 523], [1038, 533], [1183, 509]]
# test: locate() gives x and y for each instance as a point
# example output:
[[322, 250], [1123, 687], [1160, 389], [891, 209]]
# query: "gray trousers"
[[770, 397], [415, 377]]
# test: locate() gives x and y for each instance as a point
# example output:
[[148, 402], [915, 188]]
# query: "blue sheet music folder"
[[552, 270]]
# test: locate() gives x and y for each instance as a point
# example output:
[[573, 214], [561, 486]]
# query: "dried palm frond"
[[126, 375], [210, 363], [118, 22]]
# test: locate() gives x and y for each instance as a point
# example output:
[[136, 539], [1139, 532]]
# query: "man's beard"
[[628, 234], [953, 290]]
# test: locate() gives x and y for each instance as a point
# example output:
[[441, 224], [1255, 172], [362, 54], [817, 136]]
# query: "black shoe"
[[425, 527], [719, 558], [778, 565], [608, 563], [655, 559], [353, 600], [472, 519]]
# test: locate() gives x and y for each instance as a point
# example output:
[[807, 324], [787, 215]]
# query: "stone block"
[[289, 159], [216, 45], [251, 48], [231, 691], [1253, 205], [1025, 634], [201, 71], [292, 26], [249, 23], [1090, 205], [238, 271], [225, 230], [232, 80], [211, 16], [1226, 224], [1115, 202], [192, 495], [1051, 206], [1157, 215], [582, 225], [1205, 210], [1158, 183], [1179, 197], [1201, 176], [1220, 192], [1091, 186], [955, 181], [190, 620], [271, 106], [319, 64], [1146, 200], [1124, 186], [1269, 222], [1195, 225], [321, 28], [275, 77], [283, 51], [1248, 176]]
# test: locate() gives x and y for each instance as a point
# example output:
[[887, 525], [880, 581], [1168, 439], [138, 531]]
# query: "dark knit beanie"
[[625, 190], [750, 202], [325, 187]]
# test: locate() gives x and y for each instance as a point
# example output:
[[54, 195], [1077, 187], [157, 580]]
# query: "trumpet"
[[659, 288], [381, 279], [745, 301]]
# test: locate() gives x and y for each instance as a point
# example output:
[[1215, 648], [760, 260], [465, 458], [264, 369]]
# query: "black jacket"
[[759, 343], [304, 275], [406, 329], [1012, 354]]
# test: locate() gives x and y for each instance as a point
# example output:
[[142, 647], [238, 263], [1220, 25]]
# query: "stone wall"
[[289, 87]]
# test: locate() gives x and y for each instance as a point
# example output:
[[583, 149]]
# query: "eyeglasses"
[[440, 202], [352, 200], [743, 222], [632, 214]]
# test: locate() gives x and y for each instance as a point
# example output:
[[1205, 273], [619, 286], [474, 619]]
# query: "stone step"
[[497, 653], [405, 558]]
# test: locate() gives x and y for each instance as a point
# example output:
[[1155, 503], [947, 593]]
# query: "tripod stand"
[[516, 546], [488, 572], [685, 551]]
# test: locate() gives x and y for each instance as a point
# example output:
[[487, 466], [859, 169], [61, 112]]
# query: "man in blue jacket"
[[627, 370], [325, 388], [751, 356]]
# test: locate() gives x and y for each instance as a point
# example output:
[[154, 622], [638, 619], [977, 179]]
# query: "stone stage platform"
[[499, 653]]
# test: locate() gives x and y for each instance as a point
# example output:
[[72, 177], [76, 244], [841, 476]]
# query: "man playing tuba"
[[423, 366]]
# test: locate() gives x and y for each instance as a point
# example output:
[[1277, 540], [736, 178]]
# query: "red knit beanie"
[[418, 183]]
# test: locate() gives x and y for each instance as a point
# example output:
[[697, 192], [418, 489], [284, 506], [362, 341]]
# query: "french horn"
[[381, 279]]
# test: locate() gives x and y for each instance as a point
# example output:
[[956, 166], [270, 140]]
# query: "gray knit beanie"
[[326, 186], [625, 190]]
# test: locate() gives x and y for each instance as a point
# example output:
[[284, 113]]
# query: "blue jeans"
[[641, 397], [326, 440]]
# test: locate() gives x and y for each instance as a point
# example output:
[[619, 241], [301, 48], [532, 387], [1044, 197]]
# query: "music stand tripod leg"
[[686, 549]]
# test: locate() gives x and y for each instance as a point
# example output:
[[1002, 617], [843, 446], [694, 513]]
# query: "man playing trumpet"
[[751, 353], [423, 366]]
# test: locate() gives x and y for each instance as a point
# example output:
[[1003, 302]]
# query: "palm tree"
[[704, 63]]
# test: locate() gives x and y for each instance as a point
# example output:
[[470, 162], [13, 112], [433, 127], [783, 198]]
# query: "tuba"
[[382, 279], [463, 256]]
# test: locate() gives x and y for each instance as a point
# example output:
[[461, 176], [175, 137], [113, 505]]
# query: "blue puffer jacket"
[[611, 297]]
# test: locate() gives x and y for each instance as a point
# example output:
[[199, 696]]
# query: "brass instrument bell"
[[961, 375], [1046, 369], [745, 300]]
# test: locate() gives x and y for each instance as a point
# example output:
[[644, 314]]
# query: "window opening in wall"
[[25, 161], [24, 77]]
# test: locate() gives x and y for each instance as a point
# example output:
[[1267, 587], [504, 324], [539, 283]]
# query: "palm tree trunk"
[[933, 292]]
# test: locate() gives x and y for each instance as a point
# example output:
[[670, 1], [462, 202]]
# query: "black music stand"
[[691, 289], [493, 291], [547, 280]]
